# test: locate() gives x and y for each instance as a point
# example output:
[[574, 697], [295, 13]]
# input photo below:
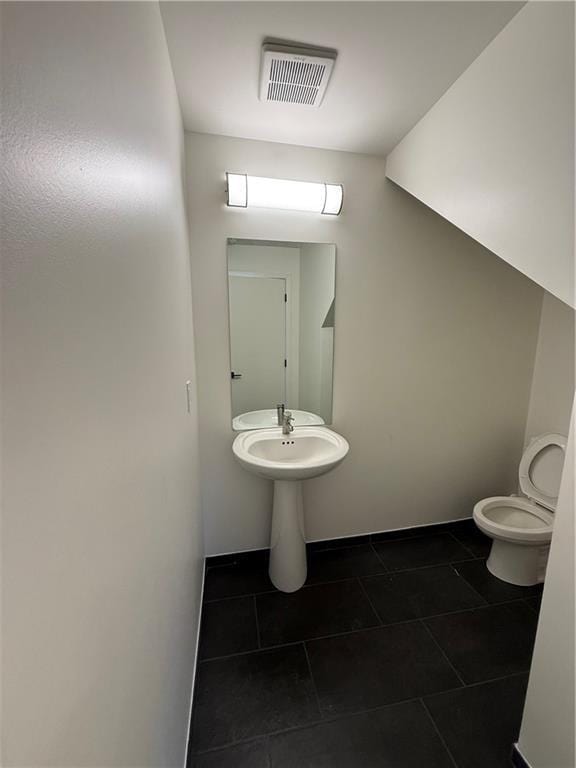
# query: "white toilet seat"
[[514, 518], [540, 479], [521, 526]]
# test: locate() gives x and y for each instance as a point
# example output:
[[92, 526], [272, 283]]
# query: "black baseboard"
[[348, 541], [517, 759]]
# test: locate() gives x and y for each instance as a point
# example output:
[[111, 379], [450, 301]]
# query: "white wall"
[[435, 340], [547, 733], [317, 278], [553, 380], [101, 536], [495, 155]]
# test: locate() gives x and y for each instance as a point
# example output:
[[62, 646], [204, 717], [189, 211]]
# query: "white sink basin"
[[269, 418], [287, 460], [306, 452]]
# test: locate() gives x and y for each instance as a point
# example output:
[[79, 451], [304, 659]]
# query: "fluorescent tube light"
[[259, 192]]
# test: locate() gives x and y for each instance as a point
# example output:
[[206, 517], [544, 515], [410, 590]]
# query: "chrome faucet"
[[287, 425], [280, 408]]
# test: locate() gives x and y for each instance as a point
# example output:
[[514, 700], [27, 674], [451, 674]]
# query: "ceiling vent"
[[295, 74]]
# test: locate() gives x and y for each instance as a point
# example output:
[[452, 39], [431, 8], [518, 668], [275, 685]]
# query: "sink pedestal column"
[[287, 543]]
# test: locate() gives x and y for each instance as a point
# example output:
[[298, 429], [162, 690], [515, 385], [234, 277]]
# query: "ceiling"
[[395, 59]]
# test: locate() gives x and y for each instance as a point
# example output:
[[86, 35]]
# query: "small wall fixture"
[[256, 191]]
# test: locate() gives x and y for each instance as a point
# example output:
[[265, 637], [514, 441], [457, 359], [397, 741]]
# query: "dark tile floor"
[[401, 651]]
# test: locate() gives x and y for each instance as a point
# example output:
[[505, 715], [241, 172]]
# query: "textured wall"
[[101, 535]]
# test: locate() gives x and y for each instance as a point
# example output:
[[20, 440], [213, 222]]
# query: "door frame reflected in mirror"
[[252, 335]]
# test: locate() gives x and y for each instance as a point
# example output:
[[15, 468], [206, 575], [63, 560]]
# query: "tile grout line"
[[268, 753], [313, 639], [380, 560], [332, 718], [433, 722], [527, 601], [387, 572], [390, 572], [313, 681], [428, 565], [258, 638], [237, 597], [365, 593], [364, 629], [272, 590], [468, 549], [472, 587], [460, 544], [324, 720], [437, 644]]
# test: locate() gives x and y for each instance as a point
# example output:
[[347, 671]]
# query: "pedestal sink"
[[287, 460]]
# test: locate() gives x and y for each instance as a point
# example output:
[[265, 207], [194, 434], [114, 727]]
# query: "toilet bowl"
[[521, 526]]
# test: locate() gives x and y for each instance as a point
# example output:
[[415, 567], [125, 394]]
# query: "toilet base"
[[516, 563], [288, 568]]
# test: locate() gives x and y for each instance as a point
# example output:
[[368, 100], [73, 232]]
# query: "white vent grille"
[[294, 75]]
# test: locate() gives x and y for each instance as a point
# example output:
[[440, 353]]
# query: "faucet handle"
[[287, 421]]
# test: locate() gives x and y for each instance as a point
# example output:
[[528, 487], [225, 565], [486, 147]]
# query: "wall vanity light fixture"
[[256, 191]]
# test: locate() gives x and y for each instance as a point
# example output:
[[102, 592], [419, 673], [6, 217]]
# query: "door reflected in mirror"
[[282, 309]]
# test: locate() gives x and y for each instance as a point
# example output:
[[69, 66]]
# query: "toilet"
[[521, 526]]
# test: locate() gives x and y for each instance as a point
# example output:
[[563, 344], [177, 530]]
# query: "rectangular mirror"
[[281, 305]]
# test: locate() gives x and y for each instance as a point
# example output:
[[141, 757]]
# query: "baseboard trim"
[[220, 558], [518, 759], [393, 531], [195, 668]]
